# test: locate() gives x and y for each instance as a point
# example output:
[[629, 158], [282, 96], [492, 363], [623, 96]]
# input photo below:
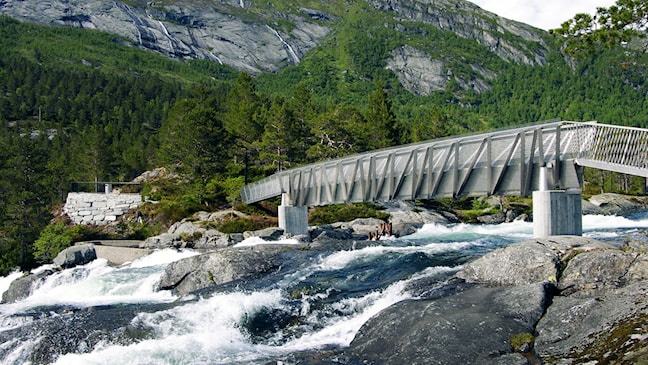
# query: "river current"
[[98, 314]]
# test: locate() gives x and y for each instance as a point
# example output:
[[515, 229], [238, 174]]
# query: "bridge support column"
[[293, 220], [557, 212]]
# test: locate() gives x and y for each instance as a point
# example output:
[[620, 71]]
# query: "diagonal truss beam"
[[504, 162]]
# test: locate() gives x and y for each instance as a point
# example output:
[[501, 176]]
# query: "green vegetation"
[[238, 225], [345, 212], [523, 340], [621, 23], [79, 105], [54, 239]]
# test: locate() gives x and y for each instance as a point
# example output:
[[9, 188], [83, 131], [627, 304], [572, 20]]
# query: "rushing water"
[[97, 314]]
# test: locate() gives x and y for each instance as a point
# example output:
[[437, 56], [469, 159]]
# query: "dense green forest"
[[78, 105]]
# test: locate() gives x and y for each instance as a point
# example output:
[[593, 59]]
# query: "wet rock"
[[617, 204], [328, 232], [213, 239], [225, 265], [163, 240], [524, 263], [471, 327], [496, 218], [267, 234], [403, 212], [360, 227], [22, 287], [76, 255], [188, 234]]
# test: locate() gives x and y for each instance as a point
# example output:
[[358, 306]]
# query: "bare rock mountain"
[[262, 36]]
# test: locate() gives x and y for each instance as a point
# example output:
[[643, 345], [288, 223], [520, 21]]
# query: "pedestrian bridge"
[[546, 159], [515, 161]]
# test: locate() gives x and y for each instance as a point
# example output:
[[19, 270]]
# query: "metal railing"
[[505, 162], [102, 186], [613, 148]]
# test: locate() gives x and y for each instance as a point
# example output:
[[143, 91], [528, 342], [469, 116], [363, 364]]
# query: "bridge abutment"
[[293, 220], [557, 212]]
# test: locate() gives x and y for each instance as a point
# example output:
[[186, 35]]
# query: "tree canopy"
[[609, 27]]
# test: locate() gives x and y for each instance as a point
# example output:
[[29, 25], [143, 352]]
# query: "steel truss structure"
[[506, 162]]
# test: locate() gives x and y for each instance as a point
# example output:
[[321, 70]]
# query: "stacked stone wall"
[[95, 208]]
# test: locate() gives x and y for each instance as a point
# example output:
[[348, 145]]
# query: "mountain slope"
[[426, 43]]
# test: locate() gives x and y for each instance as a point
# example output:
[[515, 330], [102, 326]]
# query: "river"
[[98, 314]]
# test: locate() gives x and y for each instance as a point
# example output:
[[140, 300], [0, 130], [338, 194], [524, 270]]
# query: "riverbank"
[[344, 301]]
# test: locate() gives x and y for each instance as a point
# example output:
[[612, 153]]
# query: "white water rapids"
[[322, 294]]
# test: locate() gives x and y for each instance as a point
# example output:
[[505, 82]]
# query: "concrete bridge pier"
[[557, 212], [293, 220]]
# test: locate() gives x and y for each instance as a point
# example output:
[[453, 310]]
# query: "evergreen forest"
[[84, 106]]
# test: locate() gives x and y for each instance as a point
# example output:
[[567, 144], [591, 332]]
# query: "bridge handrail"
[[403, 171], [610, 147], [265, 189]]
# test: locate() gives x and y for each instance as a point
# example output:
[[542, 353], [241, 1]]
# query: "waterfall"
[[215, 57], [166, 33], [291, 51]]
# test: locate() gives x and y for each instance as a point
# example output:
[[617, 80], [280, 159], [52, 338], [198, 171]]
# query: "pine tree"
[[381, 128]]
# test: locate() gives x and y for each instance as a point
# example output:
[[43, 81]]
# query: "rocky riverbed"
[[555, 300]]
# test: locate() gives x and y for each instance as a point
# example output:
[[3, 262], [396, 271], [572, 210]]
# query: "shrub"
[[55, 238], [345, 212], [237, 225]]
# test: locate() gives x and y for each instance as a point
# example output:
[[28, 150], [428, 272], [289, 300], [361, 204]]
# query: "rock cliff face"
[[266, 37], [221, 31], [471, 22]]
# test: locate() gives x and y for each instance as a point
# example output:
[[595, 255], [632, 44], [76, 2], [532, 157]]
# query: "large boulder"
[[327, 233], [607, 329], [519, 264], [267, 234], [197, 272], [22, 287], [187, 234], [596, 272], [360, 227], [474, 326], [600, 314], [406, 217], [76, 255], [213, 239], [617, 204]]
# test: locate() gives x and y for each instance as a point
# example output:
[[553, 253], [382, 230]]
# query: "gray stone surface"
[[95, 208], [360, 227], [201, 271], [524, 263], [76, 255], [618, 204], [22, 287], [116, 255], [187, 30], [596, 272], [471, 327], [268, 234], [610, 329], [257, 40]]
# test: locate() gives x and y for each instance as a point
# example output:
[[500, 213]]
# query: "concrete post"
[[293, 220], [557, 212], [543, 182]]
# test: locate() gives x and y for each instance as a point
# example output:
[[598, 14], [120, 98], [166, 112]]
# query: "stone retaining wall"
[[96, 208]]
